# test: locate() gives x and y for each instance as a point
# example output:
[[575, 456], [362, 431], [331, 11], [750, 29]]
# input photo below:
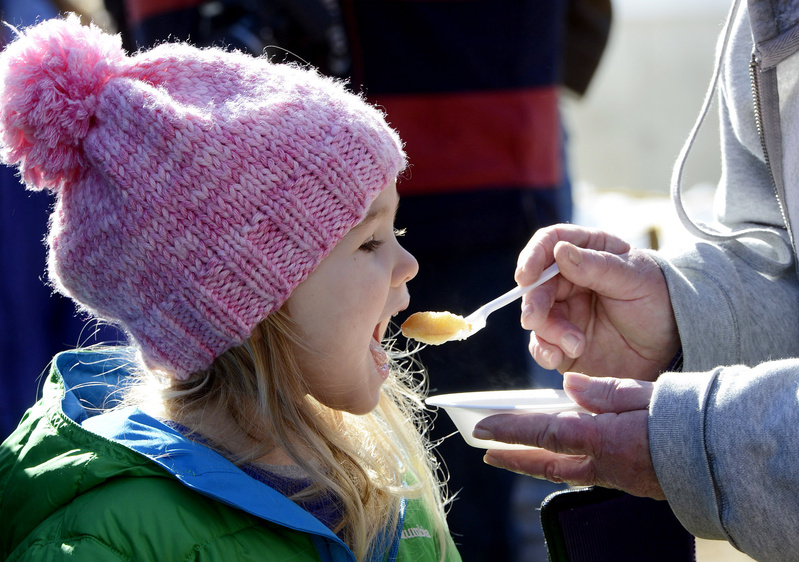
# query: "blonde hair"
[[368, 462]]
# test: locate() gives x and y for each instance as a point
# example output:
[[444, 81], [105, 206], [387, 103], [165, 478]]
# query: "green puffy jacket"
[[119, 485]]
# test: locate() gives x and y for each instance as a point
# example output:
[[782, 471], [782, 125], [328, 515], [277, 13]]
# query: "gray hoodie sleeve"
[[725, 446], [724, 435]]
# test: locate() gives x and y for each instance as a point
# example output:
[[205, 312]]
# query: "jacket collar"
[[92, 379]]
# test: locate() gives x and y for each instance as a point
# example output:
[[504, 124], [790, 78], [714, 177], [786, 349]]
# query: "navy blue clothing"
[[415, 46], [35, 322]]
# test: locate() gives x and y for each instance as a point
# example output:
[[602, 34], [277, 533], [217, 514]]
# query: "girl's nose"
[[406, 267]]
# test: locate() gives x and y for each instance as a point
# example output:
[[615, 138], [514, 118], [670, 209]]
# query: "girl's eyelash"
[[371, 245]]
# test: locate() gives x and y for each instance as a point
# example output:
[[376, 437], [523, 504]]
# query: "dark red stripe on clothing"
[[469, 141], [141, 9]]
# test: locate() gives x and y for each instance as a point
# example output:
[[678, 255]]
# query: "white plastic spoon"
[[477, 320]]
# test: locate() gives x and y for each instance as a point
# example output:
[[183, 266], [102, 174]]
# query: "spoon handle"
[[514, 294]]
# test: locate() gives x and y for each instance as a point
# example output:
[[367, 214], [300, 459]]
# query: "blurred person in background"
[[474, 89]]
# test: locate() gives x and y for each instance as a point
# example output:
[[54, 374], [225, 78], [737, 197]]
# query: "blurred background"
[[626, 132]]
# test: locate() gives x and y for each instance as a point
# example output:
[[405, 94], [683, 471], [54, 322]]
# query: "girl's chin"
[[355, 405], [362, 408]]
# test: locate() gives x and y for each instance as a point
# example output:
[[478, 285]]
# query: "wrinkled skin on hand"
[[607, 314], [609, 449]]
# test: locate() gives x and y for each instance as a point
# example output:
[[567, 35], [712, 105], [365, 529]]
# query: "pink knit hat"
[[196, 188]]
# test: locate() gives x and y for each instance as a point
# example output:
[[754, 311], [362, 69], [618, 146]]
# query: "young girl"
[[235, 218]]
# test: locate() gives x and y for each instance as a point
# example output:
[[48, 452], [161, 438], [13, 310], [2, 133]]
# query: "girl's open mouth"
[[379, 355]]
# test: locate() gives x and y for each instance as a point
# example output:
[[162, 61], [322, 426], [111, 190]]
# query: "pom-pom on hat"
[[195, 188]]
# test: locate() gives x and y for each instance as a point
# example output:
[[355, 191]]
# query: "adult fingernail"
[[577, 381], [570, 343], [480, 433], [527, 313], [574, 256]]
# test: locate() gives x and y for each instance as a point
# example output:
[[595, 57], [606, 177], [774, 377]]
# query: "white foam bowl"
[[467, 408]]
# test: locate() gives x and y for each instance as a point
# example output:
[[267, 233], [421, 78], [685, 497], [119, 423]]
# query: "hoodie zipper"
[[754, 77]]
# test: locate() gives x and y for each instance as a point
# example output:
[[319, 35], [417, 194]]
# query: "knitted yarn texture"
[[195, 188]]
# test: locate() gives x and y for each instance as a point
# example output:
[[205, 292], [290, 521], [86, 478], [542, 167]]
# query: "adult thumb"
[[615, 275], [601, 395]]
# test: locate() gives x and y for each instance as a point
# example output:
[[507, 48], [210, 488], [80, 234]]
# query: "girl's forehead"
[[385, 203]]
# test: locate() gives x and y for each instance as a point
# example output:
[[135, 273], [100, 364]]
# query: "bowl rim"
[[456, 400]]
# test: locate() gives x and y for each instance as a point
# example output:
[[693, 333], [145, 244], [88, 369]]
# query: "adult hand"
[[609, 449], [608, 313]]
